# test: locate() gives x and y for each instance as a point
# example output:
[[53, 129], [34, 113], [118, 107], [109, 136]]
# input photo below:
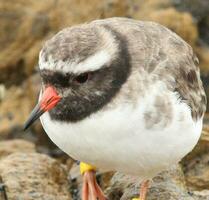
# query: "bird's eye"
[[82, 78]]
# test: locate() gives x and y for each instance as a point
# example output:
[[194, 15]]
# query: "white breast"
[[117, 139]]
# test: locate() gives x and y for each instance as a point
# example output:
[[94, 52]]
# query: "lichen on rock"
[[34, 176]]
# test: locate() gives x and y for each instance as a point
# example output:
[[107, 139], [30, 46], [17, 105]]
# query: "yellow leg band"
[[136, 199], [84, 167]]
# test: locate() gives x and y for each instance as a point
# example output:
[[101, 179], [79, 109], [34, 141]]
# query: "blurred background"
[[24, 26]]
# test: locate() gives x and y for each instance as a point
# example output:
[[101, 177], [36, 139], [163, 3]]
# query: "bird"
[[119, 94]]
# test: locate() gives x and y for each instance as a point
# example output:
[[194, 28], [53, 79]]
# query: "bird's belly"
[[118, 140]]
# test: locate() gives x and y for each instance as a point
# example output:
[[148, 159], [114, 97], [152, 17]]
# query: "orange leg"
[[91, 190], [143, 190]]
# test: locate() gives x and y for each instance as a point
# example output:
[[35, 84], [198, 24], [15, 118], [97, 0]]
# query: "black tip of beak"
[[35, 114]]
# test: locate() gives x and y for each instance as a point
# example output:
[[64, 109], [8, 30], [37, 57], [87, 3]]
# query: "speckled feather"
[[159, 53]]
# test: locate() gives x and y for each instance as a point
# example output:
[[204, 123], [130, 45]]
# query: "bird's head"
[[82, 69]]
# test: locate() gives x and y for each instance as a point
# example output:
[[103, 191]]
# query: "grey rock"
[[33, 176]]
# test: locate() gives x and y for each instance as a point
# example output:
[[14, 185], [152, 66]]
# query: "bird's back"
[[158, 53]]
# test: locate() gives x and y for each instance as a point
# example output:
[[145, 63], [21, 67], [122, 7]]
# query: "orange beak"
[[49, 100]]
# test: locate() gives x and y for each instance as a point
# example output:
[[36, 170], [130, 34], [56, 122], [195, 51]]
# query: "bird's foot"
[[91, 190], [143, 190]]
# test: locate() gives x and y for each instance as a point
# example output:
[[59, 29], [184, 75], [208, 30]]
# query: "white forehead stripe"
[[94, 62]]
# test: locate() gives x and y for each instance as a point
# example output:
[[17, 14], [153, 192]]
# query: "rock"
[[168, 185], [105, 179], [34, 176], [203, 29], [195, 165], [204, 193], [115, 8], [197, 173], [11, 146], [23, 26], [199, 9], [203, 55], [173, 20], [2, 92], [16, 106]]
